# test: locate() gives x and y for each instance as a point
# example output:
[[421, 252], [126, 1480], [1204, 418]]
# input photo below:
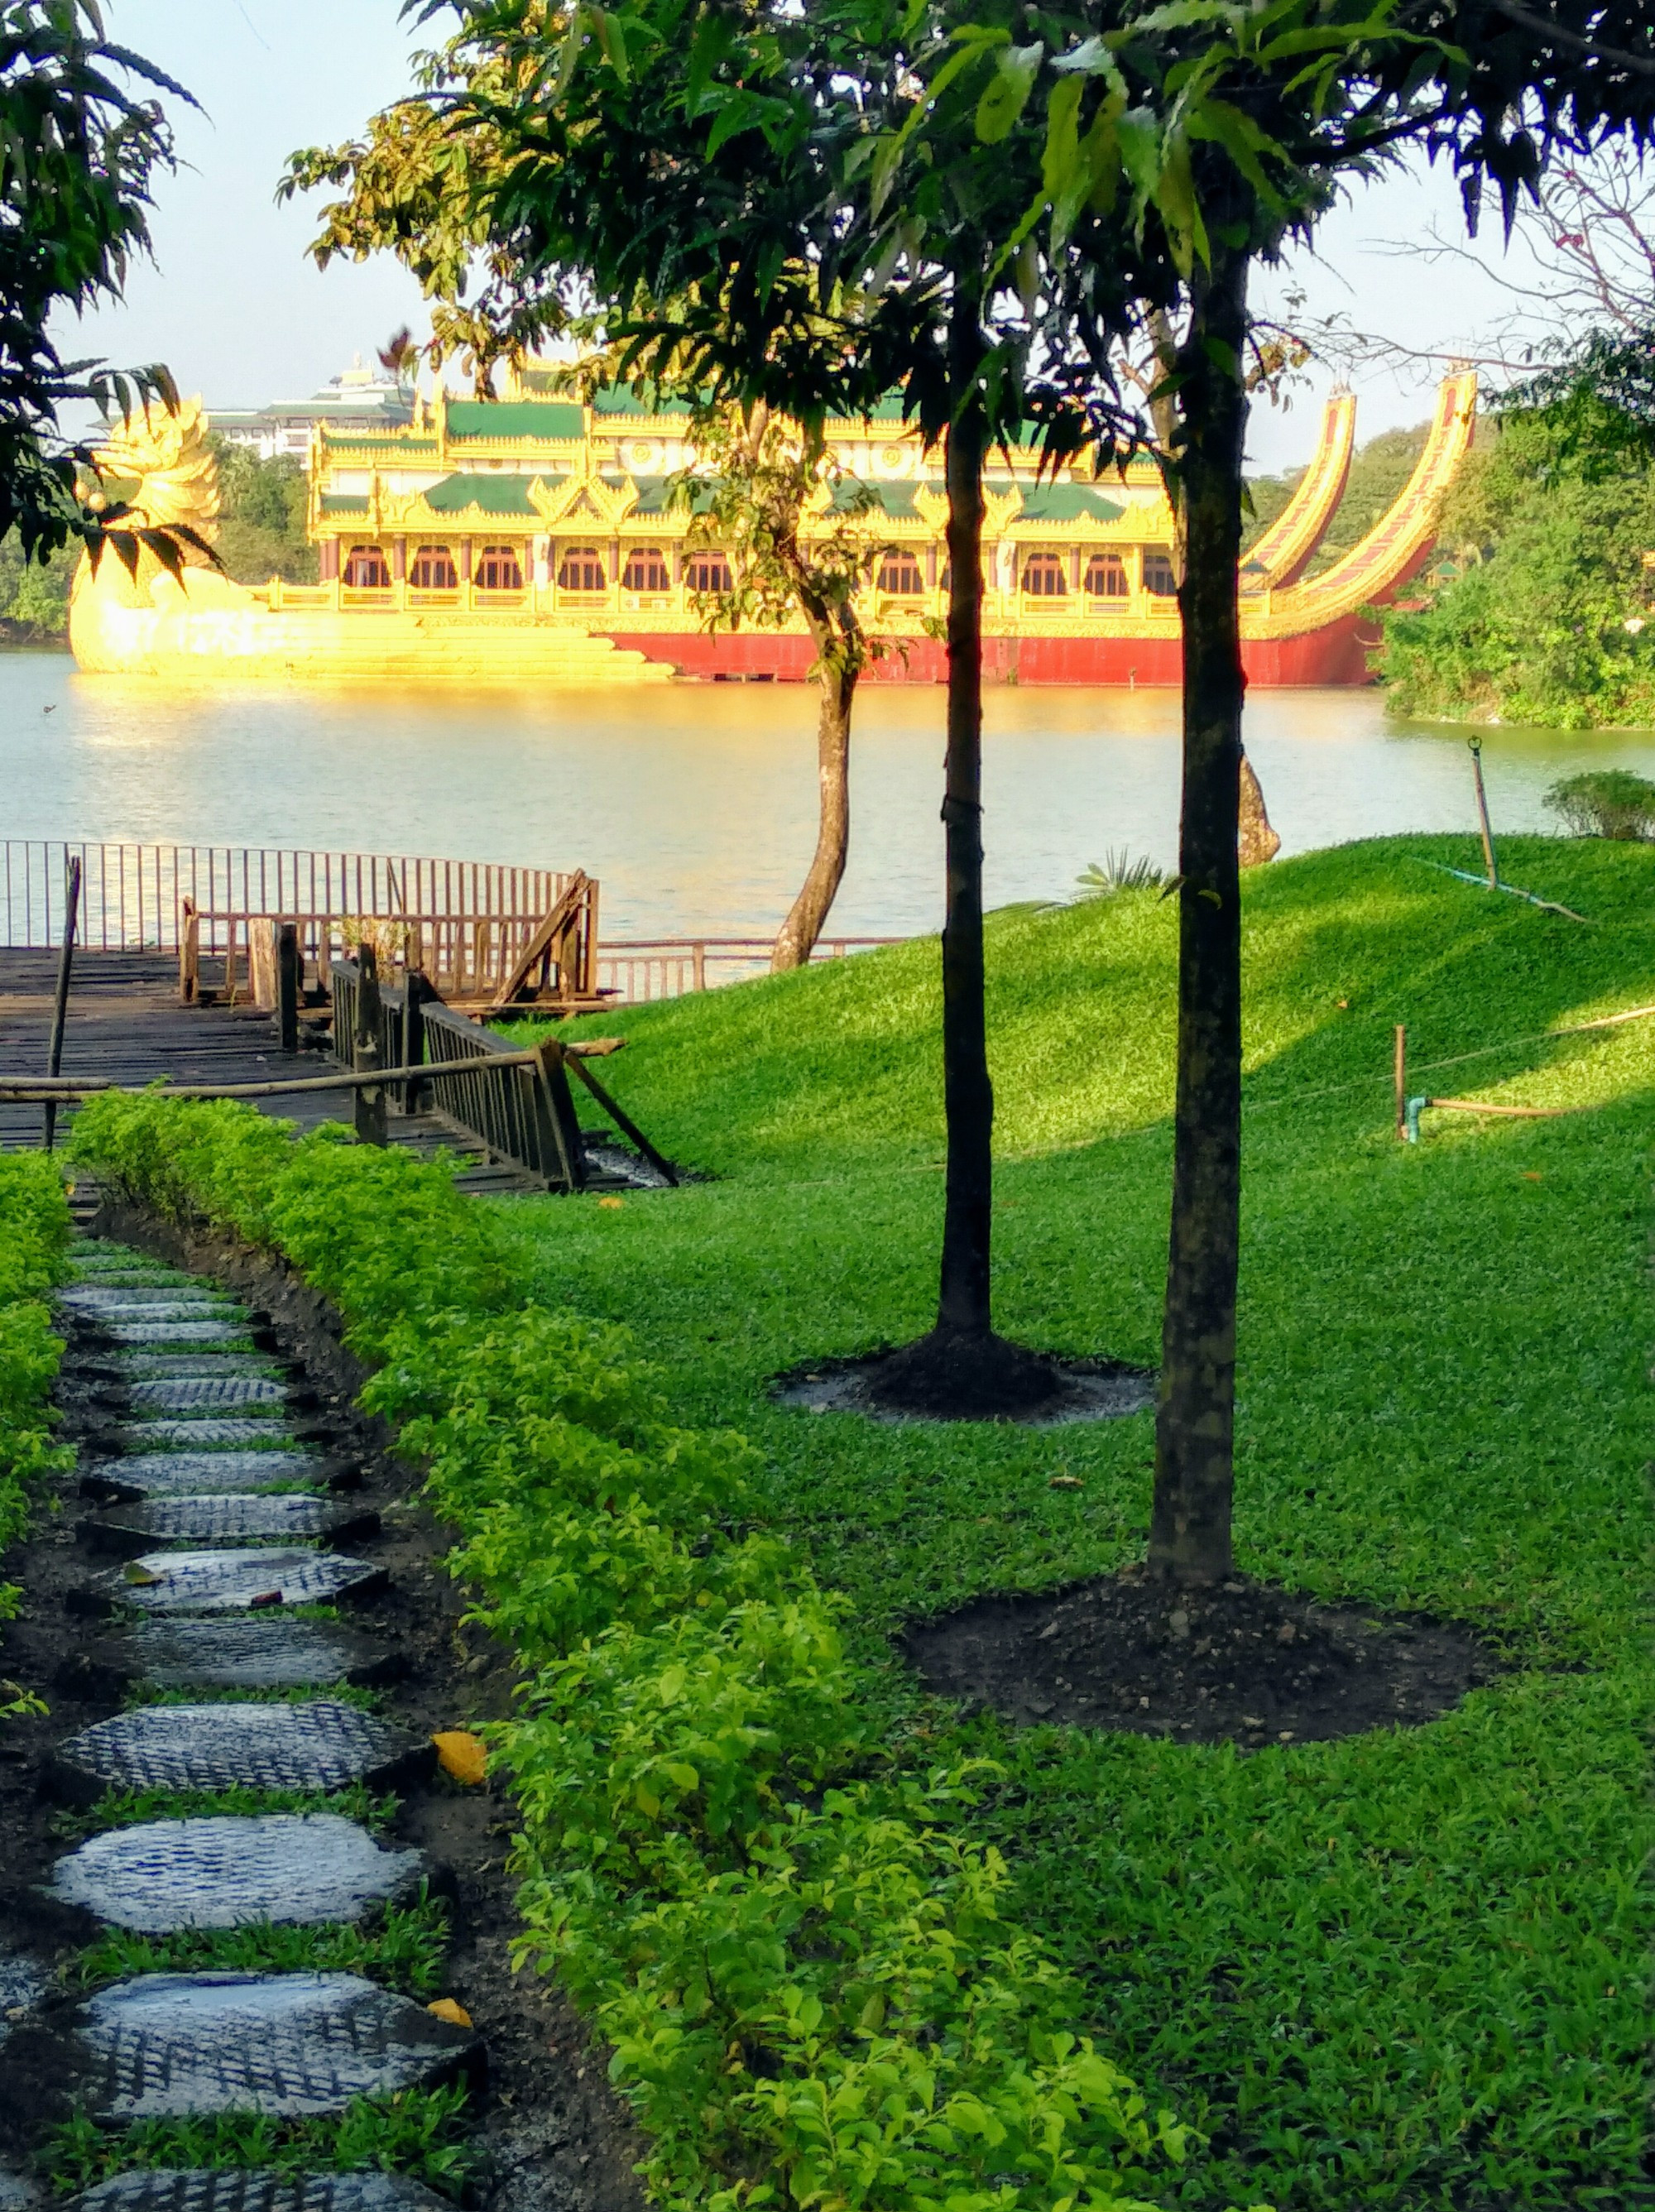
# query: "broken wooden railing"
[[517, 1105], [544, 956]]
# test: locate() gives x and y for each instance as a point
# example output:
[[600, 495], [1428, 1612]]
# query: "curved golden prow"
[[1277, 558], [1398, 541]]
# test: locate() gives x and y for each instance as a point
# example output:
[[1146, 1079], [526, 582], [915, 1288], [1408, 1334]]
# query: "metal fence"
[[132, 894]]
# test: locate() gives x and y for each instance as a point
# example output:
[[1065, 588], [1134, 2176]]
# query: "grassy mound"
[[1402, 1970]]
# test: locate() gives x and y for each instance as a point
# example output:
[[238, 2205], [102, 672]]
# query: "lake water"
[[695, 805]]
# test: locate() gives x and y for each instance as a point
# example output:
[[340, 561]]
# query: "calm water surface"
[[695, 805]]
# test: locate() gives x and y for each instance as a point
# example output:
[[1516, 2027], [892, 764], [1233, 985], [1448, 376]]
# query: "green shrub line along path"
[[1398, 1970], [800, 1897]]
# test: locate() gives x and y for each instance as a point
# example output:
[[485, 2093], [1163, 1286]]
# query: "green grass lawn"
[[1400, 1970]]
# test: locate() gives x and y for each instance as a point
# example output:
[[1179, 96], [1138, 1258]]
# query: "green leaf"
[[739, 113], [1245, 142], [1008, 94], [1138, 137], [711, 43]]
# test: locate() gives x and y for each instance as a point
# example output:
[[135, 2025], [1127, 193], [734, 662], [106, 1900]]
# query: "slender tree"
[[1224, 131], [724, 183], [769, 495]]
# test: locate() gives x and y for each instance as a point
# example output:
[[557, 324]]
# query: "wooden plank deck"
[[126, 1026]]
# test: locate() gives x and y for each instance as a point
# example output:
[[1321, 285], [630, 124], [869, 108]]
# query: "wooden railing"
[[640, 970], [483, 963], [517, 1105]]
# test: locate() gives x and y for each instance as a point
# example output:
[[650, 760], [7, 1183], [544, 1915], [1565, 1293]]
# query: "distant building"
[[358, 399]]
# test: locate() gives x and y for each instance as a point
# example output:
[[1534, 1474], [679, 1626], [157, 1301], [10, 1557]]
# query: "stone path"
[[214, 1508]]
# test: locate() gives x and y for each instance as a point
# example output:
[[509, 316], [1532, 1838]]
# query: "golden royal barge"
[[532, 539]]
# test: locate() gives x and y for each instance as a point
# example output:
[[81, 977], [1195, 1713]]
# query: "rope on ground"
[[1454, 1059]]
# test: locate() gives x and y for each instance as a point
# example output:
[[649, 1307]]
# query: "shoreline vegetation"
[[1539, 604], [842, 1927]]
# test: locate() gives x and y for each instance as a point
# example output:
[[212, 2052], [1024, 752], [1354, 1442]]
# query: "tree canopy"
[[81, 142]]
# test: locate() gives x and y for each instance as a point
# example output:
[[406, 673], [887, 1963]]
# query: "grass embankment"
[[34, 1230], [1400, 1970]]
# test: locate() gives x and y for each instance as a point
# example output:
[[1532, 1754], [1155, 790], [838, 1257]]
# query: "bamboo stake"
[[1476, 745], [1401, 1075], [68, 1089], [60, 1005]]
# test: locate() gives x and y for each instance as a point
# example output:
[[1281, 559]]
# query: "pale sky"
[[242, 316]]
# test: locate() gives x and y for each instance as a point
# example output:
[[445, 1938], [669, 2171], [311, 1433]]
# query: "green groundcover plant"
[[33, 1237], [803, 1966]]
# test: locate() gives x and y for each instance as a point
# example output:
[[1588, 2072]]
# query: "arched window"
[[646, 570], [1043, 577], [434, 569], [1106, 577], [708, 571], [1159, 580], [366, 569], [945, 579], [581, 569], [499, 569], [899, 574]]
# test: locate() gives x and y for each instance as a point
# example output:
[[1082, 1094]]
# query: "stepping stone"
[[170, 2046], [229, 1581], [323, 1745], [196, 1474], [184, 1304], [181, 1393], [177, 1366], [89, 1256], [272, 1654], [257, 2189], [177, 1331], [290, 1870], [227, 1518], [147, 1436]]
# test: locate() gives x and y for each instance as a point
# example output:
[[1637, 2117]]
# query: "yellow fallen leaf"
[[446, 2009], [613, 1204], [140, 1577], [465, 1757], [1064, 1482]]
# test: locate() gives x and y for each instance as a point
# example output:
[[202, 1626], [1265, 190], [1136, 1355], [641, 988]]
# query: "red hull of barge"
[[1335, 655]]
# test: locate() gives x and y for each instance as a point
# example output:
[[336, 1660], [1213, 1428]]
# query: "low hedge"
[[802, 1964], [34, 1230]]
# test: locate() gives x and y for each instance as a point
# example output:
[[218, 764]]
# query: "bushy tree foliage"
[[1543, 614], [80, 150]]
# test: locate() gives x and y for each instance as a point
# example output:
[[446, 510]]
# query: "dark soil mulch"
[[969, 1380], [1243, 1664]]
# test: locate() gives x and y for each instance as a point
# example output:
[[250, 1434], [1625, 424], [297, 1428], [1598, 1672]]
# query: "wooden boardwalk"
[[126, 1026]]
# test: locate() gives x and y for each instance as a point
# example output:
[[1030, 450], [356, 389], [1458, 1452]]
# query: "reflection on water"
[[696, 806]]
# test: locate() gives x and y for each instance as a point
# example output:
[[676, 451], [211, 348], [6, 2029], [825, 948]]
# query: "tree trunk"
[[963, 1306], [1189, 1540], [961, 1369], [797, 938]]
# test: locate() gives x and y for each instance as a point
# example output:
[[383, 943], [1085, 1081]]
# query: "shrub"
[[33, 1237], [1118, 871], [809, 1980], [1607, 802]]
